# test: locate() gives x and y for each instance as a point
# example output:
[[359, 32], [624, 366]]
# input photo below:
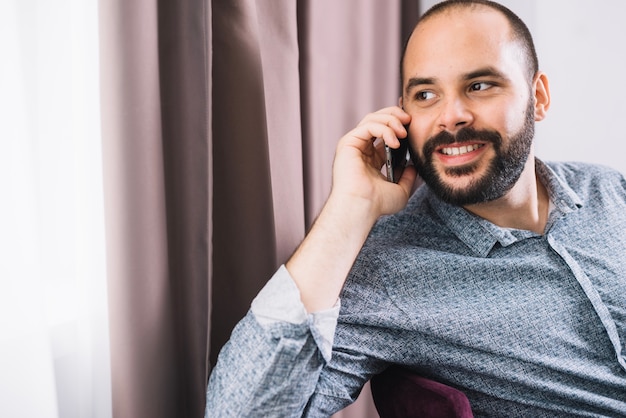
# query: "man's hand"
[[359, 158], [359, 196]]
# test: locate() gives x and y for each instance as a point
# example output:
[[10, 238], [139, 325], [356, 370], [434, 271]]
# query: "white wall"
[[580, 44]]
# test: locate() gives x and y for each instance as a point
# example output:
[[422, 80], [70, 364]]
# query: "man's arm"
[[359, 196]]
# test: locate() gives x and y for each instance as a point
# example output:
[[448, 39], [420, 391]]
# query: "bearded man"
[[502, 276]]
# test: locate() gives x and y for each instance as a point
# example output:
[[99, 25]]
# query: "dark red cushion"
[[401, 393]]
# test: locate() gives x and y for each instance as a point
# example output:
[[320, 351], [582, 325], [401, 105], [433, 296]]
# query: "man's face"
[[466, 89]]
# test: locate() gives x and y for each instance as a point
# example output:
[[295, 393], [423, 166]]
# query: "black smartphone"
[[397, 159]]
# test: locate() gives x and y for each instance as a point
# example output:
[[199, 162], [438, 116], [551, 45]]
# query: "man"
[[502, 276]]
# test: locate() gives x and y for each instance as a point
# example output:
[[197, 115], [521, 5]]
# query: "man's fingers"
[[386, 127], [370, 131], [386, 119], [388, 123]]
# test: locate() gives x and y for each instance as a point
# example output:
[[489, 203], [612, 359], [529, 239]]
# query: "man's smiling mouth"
[[460, 150]]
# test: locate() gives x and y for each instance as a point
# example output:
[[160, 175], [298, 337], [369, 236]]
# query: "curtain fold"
[[155, 130], [220, 120], [140, 321], [257, 173], [184, 79]]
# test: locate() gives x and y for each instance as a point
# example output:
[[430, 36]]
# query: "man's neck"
[[525, 206]]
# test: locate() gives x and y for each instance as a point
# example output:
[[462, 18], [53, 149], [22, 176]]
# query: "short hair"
[[519, 30]]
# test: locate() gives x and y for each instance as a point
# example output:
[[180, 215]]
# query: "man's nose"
[[455, 114]]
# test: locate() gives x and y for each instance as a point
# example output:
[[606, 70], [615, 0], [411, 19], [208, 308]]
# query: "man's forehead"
[[479, 35]]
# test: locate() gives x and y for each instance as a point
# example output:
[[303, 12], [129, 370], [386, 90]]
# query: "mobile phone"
[[396, 160]]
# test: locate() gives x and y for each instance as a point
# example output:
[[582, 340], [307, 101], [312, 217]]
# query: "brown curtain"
[[220, 120]]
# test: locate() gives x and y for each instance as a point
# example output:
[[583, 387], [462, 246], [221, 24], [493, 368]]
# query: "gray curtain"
[[220, 120]]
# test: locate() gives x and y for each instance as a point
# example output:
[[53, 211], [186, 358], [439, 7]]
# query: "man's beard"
[[500, 176]]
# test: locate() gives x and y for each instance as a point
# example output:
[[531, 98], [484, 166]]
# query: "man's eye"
[[424, 95], [480, 86]]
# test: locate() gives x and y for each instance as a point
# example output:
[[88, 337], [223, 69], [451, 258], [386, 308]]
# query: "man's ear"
[[541, 88], [400, 103]]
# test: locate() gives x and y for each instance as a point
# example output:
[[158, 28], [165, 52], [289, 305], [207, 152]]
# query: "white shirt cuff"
[[279, 301]]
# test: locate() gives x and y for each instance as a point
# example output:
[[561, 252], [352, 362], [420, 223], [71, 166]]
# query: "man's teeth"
[[460, 150]]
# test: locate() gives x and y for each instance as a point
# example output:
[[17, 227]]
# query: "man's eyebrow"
[[484, 72], [418, 81]]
